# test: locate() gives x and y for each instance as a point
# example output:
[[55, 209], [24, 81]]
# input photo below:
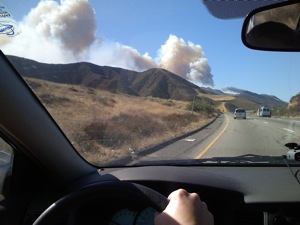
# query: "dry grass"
[[219, 98], [227, 103], [104, 126]]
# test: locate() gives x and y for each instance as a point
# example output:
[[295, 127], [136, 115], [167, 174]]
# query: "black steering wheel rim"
[[116, 189]]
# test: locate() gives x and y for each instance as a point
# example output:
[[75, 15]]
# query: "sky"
[[180, 36]]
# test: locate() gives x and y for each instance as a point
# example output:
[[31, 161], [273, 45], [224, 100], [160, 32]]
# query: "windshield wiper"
[[242, 159], [247, 158]]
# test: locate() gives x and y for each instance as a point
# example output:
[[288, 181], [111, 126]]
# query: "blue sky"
[[141, 26]]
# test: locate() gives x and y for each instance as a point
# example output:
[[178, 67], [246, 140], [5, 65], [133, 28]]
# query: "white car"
[[239, 113]]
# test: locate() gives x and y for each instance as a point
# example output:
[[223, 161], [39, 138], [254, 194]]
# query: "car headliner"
[[235, 9]]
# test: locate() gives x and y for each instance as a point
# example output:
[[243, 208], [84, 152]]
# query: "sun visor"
[[233, 8]]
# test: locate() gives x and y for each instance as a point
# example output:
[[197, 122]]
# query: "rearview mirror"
[[273, 28]]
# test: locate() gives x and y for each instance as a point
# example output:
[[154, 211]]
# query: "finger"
[[178, 193], [194, 196]]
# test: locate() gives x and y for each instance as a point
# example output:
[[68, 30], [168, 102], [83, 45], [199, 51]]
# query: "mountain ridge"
[[163, 84], [155, 82], [261, 99]]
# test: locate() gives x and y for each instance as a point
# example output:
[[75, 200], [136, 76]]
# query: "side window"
[[6, 154]]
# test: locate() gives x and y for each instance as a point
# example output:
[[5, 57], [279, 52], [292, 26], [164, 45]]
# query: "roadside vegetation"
[[201, 105], [104, 126], [291, 110], [286, 112]]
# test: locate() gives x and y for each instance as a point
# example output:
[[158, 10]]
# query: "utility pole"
[[193, 105]]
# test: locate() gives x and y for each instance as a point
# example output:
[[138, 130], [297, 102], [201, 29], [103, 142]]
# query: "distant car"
[[239, 113]]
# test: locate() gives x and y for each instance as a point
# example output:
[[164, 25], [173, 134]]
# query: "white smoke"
[[65, 32], [118, 55], [185, 59], [72, 24], [232, 90]]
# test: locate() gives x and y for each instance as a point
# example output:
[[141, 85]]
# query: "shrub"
[[123, 129], [175, 121], [168, 103], [51, 99], [199, 106]]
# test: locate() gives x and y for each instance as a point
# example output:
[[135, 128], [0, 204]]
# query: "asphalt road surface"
[[234, 137]]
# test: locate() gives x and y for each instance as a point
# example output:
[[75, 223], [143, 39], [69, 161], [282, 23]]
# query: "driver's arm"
[[184, 209]]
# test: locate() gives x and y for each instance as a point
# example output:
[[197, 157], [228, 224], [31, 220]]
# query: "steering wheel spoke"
[[112, 189]]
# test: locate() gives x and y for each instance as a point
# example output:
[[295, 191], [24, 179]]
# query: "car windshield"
[[148, 82]]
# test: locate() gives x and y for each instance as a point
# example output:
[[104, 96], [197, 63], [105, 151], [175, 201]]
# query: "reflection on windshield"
[[164, 90]]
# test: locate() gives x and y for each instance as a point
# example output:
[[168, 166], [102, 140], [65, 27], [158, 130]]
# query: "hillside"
[[291, 110], [294, 103], [104, 126], [260, 99], [153, 82], [163, 84]]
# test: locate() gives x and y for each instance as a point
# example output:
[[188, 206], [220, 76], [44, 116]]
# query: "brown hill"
[[291, 110], [259, 99], [164, 84], [294, 103], [227, 103], [153, 82], [103, 128]]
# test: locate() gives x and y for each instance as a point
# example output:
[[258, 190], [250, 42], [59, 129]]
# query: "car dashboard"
[[235, 195]]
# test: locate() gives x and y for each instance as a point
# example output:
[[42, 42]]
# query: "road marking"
[[190, 140], [214, 141], [266, 122], [289, 130]]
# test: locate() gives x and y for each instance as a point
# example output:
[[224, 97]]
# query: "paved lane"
[[229, 137]]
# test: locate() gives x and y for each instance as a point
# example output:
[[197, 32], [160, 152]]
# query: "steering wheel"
[[117, 189]]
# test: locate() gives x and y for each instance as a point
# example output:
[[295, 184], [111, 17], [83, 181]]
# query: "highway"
[[234, 137]]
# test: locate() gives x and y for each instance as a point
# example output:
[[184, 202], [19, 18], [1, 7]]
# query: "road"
[[233, 137]]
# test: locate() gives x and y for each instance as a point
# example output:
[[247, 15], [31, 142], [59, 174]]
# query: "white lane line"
[[266, 122], [289, 130], [190, 139]]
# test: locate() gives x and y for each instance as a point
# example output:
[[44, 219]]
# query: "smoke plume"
[[185, 59], [65, 32], [72, 24]]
